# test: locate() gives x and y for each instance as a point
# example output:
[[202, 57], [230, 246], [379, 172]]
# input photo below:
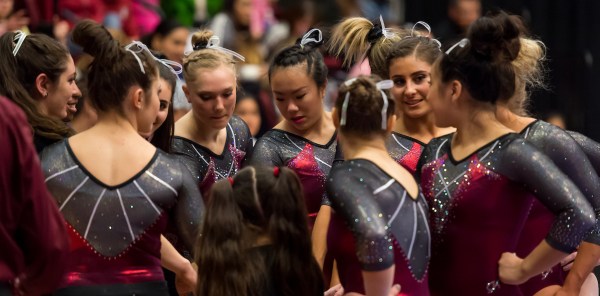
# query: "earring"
[[45, 95]]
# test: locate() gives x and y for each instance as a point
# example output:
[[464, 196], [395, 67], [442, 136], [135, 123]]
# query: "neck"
[[356, 147], [482, 124], [115, 123], [511, 120], [317, 129], [203, 133], [422, 128]]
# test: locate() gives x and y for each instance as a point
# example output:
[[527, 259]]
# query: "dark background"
[[569, 28]]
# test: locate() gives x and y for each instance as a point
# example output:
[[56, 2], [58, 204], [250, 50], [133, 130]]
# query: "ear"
[[335, 116], [42, 82], [391, 123], [137, 98], [186, 91], [456, 89]]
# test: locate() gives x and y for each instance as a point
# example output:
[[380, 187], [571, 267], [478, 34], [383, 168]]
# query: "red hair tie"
[[230, 179], [276, 171]]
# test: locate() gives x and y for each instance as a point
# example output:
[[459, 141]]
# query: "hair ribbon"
[[171, 65], [18, 39], [428, 28], [307, 39], [213, 43]]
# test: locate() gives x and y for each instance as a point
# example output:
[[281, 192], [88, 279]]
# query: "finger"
[[395, 290]]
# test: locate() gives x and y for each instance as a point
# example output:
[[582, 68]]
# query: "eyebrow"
[[215, 92], [293, 91]]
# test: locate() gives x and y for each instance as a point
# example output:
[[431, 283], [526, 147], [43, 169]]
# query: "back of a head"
[[484, 64], [305, 51], [363, 112], [257, 201], [114, 70], [38, 54], [357, 38], [204, 57]]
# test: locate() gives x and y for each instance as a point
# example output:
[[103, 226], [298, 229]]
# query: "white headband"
[[462, 43], [381, 85], [171, 65]]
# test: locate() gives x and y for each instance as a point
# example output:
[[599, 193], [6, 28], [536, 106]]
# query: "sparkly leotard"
[[376, 224], [309, 160], [405, 150], [478, 206], [590, 147], [571, 160], [115, 230], [208, 167]]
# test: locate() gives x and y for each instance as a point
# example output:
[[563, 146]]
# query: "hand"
[[395, 290], [336, 290], [186, 280], [60, 29], [510, 268], [567, 262], [563, 292], [17, 21]]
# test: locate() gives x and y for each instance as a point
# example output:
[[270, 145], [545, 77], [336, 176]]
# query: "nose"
[[219, 104], [409, 90], [76, 90], [292, 108]]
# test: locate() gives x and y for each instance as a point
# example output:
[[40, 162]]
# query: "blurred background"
[[259, 28]]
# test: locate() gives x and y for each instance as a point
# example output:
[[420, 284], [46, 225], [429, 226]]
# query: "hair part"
[[484, 64], [363, 113], [421, 47], [205, 58], [297, 55], [350, 41], [114, 70], [39, 54]]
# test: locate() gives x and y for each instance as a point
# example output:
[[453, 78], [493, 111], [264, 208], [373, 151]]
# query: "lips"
[[413, 102], [298, 119], [72, 107]]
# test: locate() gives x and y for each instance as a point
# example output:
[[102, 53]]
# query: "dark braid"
[[296, 55]]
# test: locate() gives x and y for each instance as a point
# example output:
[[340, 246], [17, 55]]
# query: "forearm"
[[170, 258], [378, 283], [319, 234], [542, 258], [587, 258]]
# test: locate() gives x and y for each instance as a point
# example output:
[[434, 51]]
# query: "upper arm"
[[189, 210], [574, 216], [359, 209]]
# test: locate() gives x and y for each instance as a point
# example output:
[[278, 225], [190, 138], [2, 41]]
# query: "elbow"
[[586, 216]]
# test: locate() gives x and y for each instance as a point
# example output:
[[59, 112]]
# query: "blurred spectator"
[[247, 109], [10, 21], [169, 38], [461, 13], [556, 118]]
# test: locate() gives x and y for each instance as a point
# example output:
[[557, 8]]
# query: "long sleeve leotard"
[[478, 207], [376, 224], [115, 230]]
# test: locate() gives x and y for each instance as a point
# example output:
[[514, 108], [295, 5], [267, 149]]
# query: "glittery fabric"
[[478, 207], [591, 149], [115, 230], [208, 167], [405, 150], [571, 160], [309, 160], [376, 224]]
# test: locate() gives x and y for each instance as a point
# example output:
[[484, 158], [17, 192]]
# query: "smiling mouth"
[[413, 102]]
